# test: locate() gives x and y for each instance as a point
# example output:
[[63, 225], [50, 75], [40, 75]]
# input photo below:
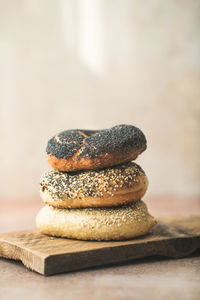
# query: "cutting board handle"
[[179, 247]]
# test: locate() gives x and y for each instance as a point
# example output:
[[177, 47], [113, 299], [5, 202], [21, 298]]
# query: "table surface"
[[149, 278]]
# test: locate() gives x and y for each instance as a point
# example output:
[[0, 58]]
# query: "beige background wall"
[[94, 64]]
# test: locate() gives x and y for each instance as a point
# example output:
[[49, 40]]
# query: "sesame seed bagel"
[[116, 223], [106, 187], [73, 150]]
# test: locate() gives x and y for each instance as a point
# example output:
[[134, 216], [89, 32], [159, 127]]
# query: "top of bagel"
[[92, 143]]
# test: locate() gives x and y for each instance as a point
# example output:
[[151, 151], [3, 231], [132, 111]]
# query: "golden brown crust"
[[104, 160], [103, 188], [116, 223]]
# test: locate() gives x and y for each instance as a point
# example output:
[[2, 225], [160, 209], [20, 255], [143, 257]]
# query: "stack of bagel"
[[95, 189]]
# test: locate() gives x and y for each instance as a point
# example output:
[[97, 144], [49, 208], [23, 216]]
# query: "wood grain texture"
[[172, 237]]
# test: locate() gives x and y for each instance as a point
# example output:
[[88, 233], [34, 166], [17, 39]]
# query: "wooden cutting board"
[[172, 237]]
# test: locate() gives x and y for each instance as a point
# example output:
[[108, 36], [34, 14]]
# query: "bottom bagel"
[[115, 223]]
